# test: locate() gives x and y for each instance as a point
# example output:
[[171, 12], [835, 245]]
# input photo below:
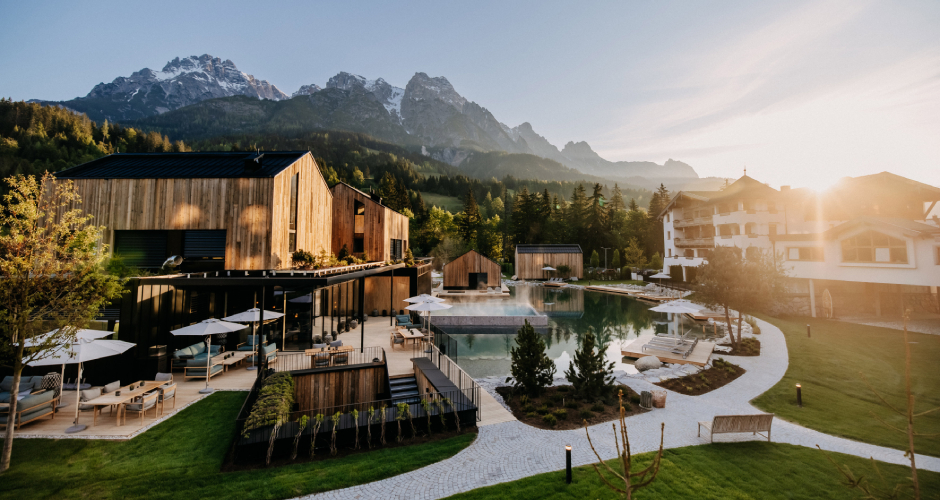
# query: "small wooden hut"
[[530, 259], [472, 271]]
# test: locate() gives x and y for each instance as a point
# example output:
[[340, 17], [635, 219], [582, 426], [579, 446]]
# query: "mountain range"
[[204, 96]]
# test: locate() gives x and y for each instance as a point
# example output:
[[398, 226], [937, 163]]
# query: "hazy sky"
[[802, 93]]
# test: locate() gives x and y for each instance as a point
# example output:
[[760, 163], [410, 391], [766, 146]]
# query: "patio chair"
[[336, 343], [321, 360], [164, 377], [397, 339], [319, 346], [167, 392], [142, 404], [341, 358]]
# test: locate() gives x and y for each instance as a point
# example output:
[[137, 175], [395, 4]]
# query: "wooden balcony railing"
[[695, 242]]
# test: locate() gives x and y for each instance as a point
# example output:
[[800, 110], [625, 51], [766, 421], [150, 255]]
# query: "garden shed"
[[530, 259], [472, 271]]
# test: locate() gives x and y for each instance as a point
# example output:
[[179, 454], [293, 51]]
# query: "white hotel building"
[[869, 245]]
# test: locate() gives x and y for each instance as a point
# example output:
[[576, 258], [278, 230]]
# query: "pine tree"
[[616, 200], [589, 374], [576, 214], [532, 369], [615, 260], [469, 225], [595, 259]]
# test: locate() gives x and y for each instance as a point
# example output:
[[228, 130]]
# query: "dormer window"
[[874, 247]]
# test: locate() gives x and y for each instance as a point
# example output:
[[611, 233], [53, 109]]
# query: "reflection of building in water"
[[554, 303]]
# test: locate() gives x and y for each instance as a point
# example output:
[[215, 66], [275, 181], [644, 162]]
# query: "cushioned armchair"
[[28, 385], [268, 351], [194, 352], [250, 345], [197, 369], [30, 408]]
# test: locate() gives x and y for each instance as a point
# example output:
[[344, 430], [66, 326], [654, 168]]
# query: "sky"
[[799, 93]]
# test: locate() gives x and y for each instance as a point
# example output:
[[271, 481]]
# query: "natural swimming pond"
[[616, 320]]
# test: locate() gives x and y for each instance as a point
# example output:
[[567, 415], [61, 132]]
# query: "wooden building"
[[367, 227], [233, 211], [472, 271], [530, 259]]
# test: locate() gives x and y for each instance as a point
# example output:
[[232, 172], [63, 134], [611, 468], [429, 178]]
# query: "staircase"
[[404, 390]]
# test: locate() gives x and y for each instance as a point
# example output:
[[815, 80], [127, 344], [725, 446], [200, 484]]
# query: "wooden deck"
[[699, 356], [638, 294]]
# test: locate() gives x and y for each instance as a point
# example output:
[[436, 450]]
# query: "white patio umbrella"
[[661, 277], [80, 334], [687, 303], [417, 299], [80, 352], [253, 316], [672, 307], [548, 268], [208, 328], [429, 306]]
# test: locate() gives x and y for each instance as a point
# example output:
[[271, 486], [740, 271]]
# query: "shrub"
[[635, 399], [549, 420], [586, 414], [563, 388], [274, 403], [560, 414], [302, 258], [598, 407], [753, 322], [528, 408], [556, 398], [542, 410], [532, 414], [627, 407], [572, 405]]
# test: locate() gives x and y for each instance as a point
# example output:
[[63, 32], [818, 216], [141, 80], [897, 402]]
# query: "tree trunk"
[[730, 330], [8, 435], [740, 317]]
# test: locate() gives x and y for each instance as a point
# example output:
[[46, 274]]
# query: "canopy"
[[417, 299], [80, 334], [549, 268], [428, 306], [687, 303], [670, 307], [661, 276], [303, 299], [209, 326], [253, 315]]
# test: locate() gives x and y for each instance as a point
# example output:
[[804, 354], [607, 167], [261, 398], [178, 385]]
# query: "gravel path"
[[512, 450]]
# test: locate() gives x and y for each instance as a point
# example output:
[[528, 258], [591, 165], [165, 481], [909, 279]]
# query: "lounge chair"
[[167, 392], [30, 408], [396, 339], [321, 360], [142, 404]]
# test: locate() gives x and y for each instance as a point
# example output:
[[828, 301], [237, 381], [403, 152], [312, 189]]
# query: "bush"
[[560, 414], [635, 399], [753, 322], [532, 414], [528, 408], [556, 398], [572, 405], [598, 407], [627, 406], [542, 410], [274, 403], [563, 388], [549, 420], [586, 414]]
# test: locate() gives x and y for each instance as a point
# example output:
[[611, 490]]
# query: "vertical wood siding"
[[320, 391], [457, 272], [529, 265], [381, 223]]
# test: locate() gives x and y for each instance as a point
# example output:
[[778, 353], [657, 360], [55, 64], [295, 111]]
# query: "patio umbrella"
[[661, 277], [548, 268], [80, 334], [208, 328], [253, 316], [428, 306], [687, 303], [672, 307], [80, 352], [417, 299]]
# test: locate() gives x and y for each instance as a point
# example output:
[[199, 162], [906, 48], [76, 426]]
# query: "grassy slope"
[[756, 470], [836, 399], [181, 458], [450, 203]]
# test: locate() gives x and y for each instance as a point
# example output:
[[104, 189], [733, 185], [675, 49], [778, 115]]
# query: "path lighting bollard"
[[568, 464], [799, 395], [808, 335]]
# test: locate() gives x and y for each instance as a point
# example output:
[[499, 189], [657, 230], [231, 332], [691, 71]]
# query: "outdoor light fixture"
[[568, 464], [808, 335], [799, 395]]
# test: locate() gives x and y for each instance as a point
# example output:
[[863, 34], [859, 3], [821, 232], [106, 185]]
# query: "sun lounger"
[[682, 349]]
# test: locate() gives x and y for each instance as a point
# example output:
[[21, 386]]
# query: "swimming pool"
[[488, 313]]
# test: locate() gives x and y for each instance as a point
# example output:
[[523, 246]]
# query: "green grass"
[[181, 458], [835, 398], [450, 203], [750, 470]]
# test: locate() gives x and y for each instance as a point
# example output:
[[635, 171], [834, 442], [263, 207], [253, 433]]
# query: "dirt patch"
[[567, 409], [720, 374], [747, 347]]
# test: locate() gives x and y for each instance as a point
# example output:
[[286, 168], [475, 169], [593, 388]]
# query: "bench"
[[726, 424]]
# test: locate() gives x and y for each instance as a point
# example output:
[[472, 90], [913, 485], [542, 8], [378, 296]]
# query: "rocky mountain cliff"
[[180, 83]]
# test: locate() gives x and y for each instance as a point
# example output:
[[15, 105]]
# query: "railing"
[[695, 242], [444, 343], [451, 370], [697, 221], [451, 402], [298, 360]]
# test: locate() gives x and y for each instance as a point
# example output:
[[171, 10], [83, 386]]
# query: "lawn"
[[749, 470], [181, 458], [835, 398], [450, 203]]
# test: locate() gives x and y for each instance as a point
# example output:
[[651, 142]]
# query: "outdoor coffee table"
[[414, 335], [236, 358], [112, 399]]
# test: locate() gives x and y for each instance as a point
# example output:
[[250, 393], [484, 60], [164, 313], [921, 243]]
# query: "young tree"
[[726, 280], [51, 267], [656, 262], [595, 259], [633, 256], [589, 374], [615, 260], [532, 369]]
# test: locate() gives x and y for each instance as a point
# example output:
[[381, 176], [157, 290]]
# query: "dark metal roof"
[[548, 248], [181, 165]]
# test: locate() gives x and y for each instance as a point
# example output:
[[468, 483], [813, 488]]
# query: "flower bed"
[[558, 408], [747, 347], [720, 374]]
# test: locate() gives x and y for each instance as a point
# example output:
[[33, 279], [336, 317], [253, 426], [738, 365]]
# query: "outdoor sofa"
[[195, 352], [250, 345], [267, 352], [197, 369], [30, 408], [28, 385]]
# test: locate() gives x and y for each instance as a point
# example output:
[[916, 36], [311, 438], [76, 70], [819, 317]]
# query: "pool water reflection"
[[616, 320]]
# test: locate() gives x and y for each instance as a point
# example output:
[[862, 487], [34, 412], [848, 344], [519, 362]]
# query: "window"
[[359, 227], [690, 253], [667, 217], [805, 253], [937, 255], [396, 249], [772, 229], [146, 249], [670, 252], [703, 252], [668, 235], [872, 246], [292, 225]]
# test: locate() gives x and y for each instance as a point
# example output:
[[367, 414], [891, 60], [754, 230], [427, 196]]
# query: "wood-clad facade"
[[366, 227], [340, 387], [472, 270], [254, 211], [530, 259]]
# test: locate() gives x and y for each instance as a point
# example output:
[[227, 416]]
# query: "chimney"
[[253, 162]]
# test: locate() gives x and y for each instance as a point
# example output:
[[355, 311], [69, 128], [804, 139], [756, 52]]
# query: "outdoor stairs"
[[404, 390]]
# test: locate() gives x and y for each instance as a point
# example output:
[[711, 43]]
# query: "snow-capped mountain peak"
[[388, 95]]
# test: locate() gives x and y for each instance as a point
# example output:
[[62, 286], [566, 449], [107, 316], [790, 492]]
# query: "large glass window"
[[872, 246], [805, 253], [292, 225]]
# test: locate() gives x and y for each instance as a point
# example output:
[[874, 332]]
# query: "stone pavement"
[[512, 450]]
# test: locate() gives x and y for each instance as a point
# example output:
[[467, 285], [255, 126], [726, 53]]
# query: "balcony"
[[690, 222], [708, 242]]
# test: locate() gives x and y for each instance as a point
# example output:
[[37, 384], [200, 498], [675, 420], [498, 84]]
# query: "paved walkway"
[[512, 450]]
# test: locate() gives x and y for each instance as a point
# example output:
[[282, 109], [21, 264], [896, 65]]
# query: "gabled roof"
[[745, 187], [905, 226], [469, 252], [367, 195], [885, 181], [538, 248], [182, 165]]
